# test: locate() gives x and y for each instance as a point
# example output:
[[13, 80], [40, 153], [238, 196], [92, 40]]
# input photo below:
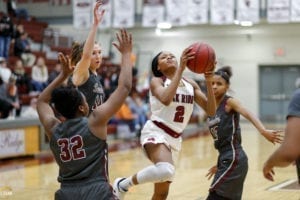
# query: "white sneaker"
[[118, 191]]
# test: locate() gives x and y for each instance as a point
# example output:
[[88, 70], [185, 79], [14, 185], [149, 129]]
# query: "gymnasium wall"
[[243, 48]]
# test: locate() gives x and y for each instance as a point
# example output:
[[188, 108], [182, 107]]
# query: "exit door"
[[277, 84]]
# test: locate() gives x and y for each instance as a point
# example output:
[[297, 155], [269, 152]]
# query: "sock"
[[126, 183]]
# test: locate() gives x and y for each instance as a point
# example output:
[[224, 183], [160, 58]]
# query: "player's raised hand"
[[98, 12], [67, 69], [124, 44]]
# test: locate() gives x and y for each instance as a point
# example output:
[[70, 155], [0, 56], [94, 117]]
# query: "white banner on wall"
[[12, 142], [295, 11], [278, 11], [222, 12], [197, 12], [248, 10], [176, 12], [123, 13], [82, 13], [153, 13]]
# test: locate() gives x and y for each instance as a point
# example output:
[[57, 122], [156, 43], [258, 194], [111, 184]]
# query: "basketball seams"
[[208, 57], [196, 58], [204, 57]]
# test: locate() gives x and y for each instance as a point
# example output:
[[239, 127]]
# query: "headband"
[[224, 75]]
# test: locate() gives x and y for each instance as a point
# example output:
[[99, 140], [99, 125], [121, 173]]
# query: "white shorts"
[[153, 134]]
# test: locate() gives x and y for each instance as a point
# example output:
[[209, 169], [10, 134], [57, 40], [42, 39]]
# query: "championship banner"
[[278, 11], [123, 13], [295, 11], [222, 12], [197, 12], [248, 10], [82, 13], [153, 13], [176, 12]]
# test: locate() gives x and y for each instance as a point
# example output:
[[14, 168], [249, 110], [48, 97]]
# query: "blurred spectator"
[[136, 106], [39, 75], [19, 30], [126, 117], [54, 73], [20, 13], [22, 50], [6, 34], [9, 100], [23, 79], [5, 72], [109, 79], [30, 111]]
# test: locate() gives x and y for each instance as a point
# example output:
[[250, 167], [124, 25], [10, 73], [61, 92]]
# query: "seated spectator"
[[30, 111], [22, 50], [110, 81], [54, 73], [6, 34], [9, 99], [136, 106], [20, 13], [19, 31], [23, 79], [126, 121], [39, 75], [5, 72]]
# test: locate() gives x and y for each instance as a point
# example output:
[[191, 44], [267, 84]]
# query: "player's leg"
[[161, 190], [162, 169]]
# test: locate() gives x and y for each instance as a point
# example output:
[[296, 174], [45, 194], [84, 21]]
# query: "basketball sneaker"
[[118, 191]]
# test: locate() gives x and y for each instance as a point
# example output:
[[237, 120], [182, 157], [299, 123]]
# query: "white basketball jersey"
[[177, 114]]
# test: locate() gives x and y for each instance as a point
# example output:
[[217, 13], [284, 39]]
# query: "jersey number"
[[71, 148], [179, 114]]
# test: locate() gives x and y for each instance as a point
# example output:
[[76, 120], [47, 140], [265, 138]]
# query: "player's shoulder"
[[190, 81]]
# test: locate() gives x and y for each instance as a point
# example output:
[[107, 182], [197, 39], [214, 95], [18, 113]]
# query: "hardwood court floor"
[[36, 180]]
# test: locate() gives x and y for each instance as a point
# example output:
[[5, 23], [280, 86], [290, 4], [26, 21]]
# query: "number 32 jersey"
[[177, 114], [81, 155]]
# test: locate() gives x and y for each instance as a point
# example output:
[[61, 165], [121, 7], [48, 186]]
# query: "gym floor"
[[36, 177]]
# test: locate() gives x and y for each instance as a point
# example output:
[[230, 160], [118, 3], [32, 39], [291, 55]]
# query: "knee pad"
[[166, 171]]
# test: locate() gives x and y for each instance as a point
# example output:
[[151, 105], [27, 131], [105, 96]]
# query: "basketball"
[[204, 59]]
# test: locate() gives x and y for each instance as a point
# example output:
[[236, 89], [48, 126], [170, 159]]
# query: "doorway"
[[276, 86]]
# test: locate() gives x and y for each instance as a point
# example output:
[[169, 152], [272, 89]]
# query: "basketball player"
[[289, 151], [172, 99], [87, 58], [79, 143], [232, 166]]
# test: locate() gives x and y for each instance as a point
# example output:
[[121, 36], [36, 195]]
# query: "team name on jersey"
[[183, 98], [97, 88], [98, 101], [213, 124]]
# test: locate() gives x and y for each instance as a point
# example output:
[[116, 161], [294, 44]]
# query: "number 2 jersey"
[[81, 155], [177, 114]]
